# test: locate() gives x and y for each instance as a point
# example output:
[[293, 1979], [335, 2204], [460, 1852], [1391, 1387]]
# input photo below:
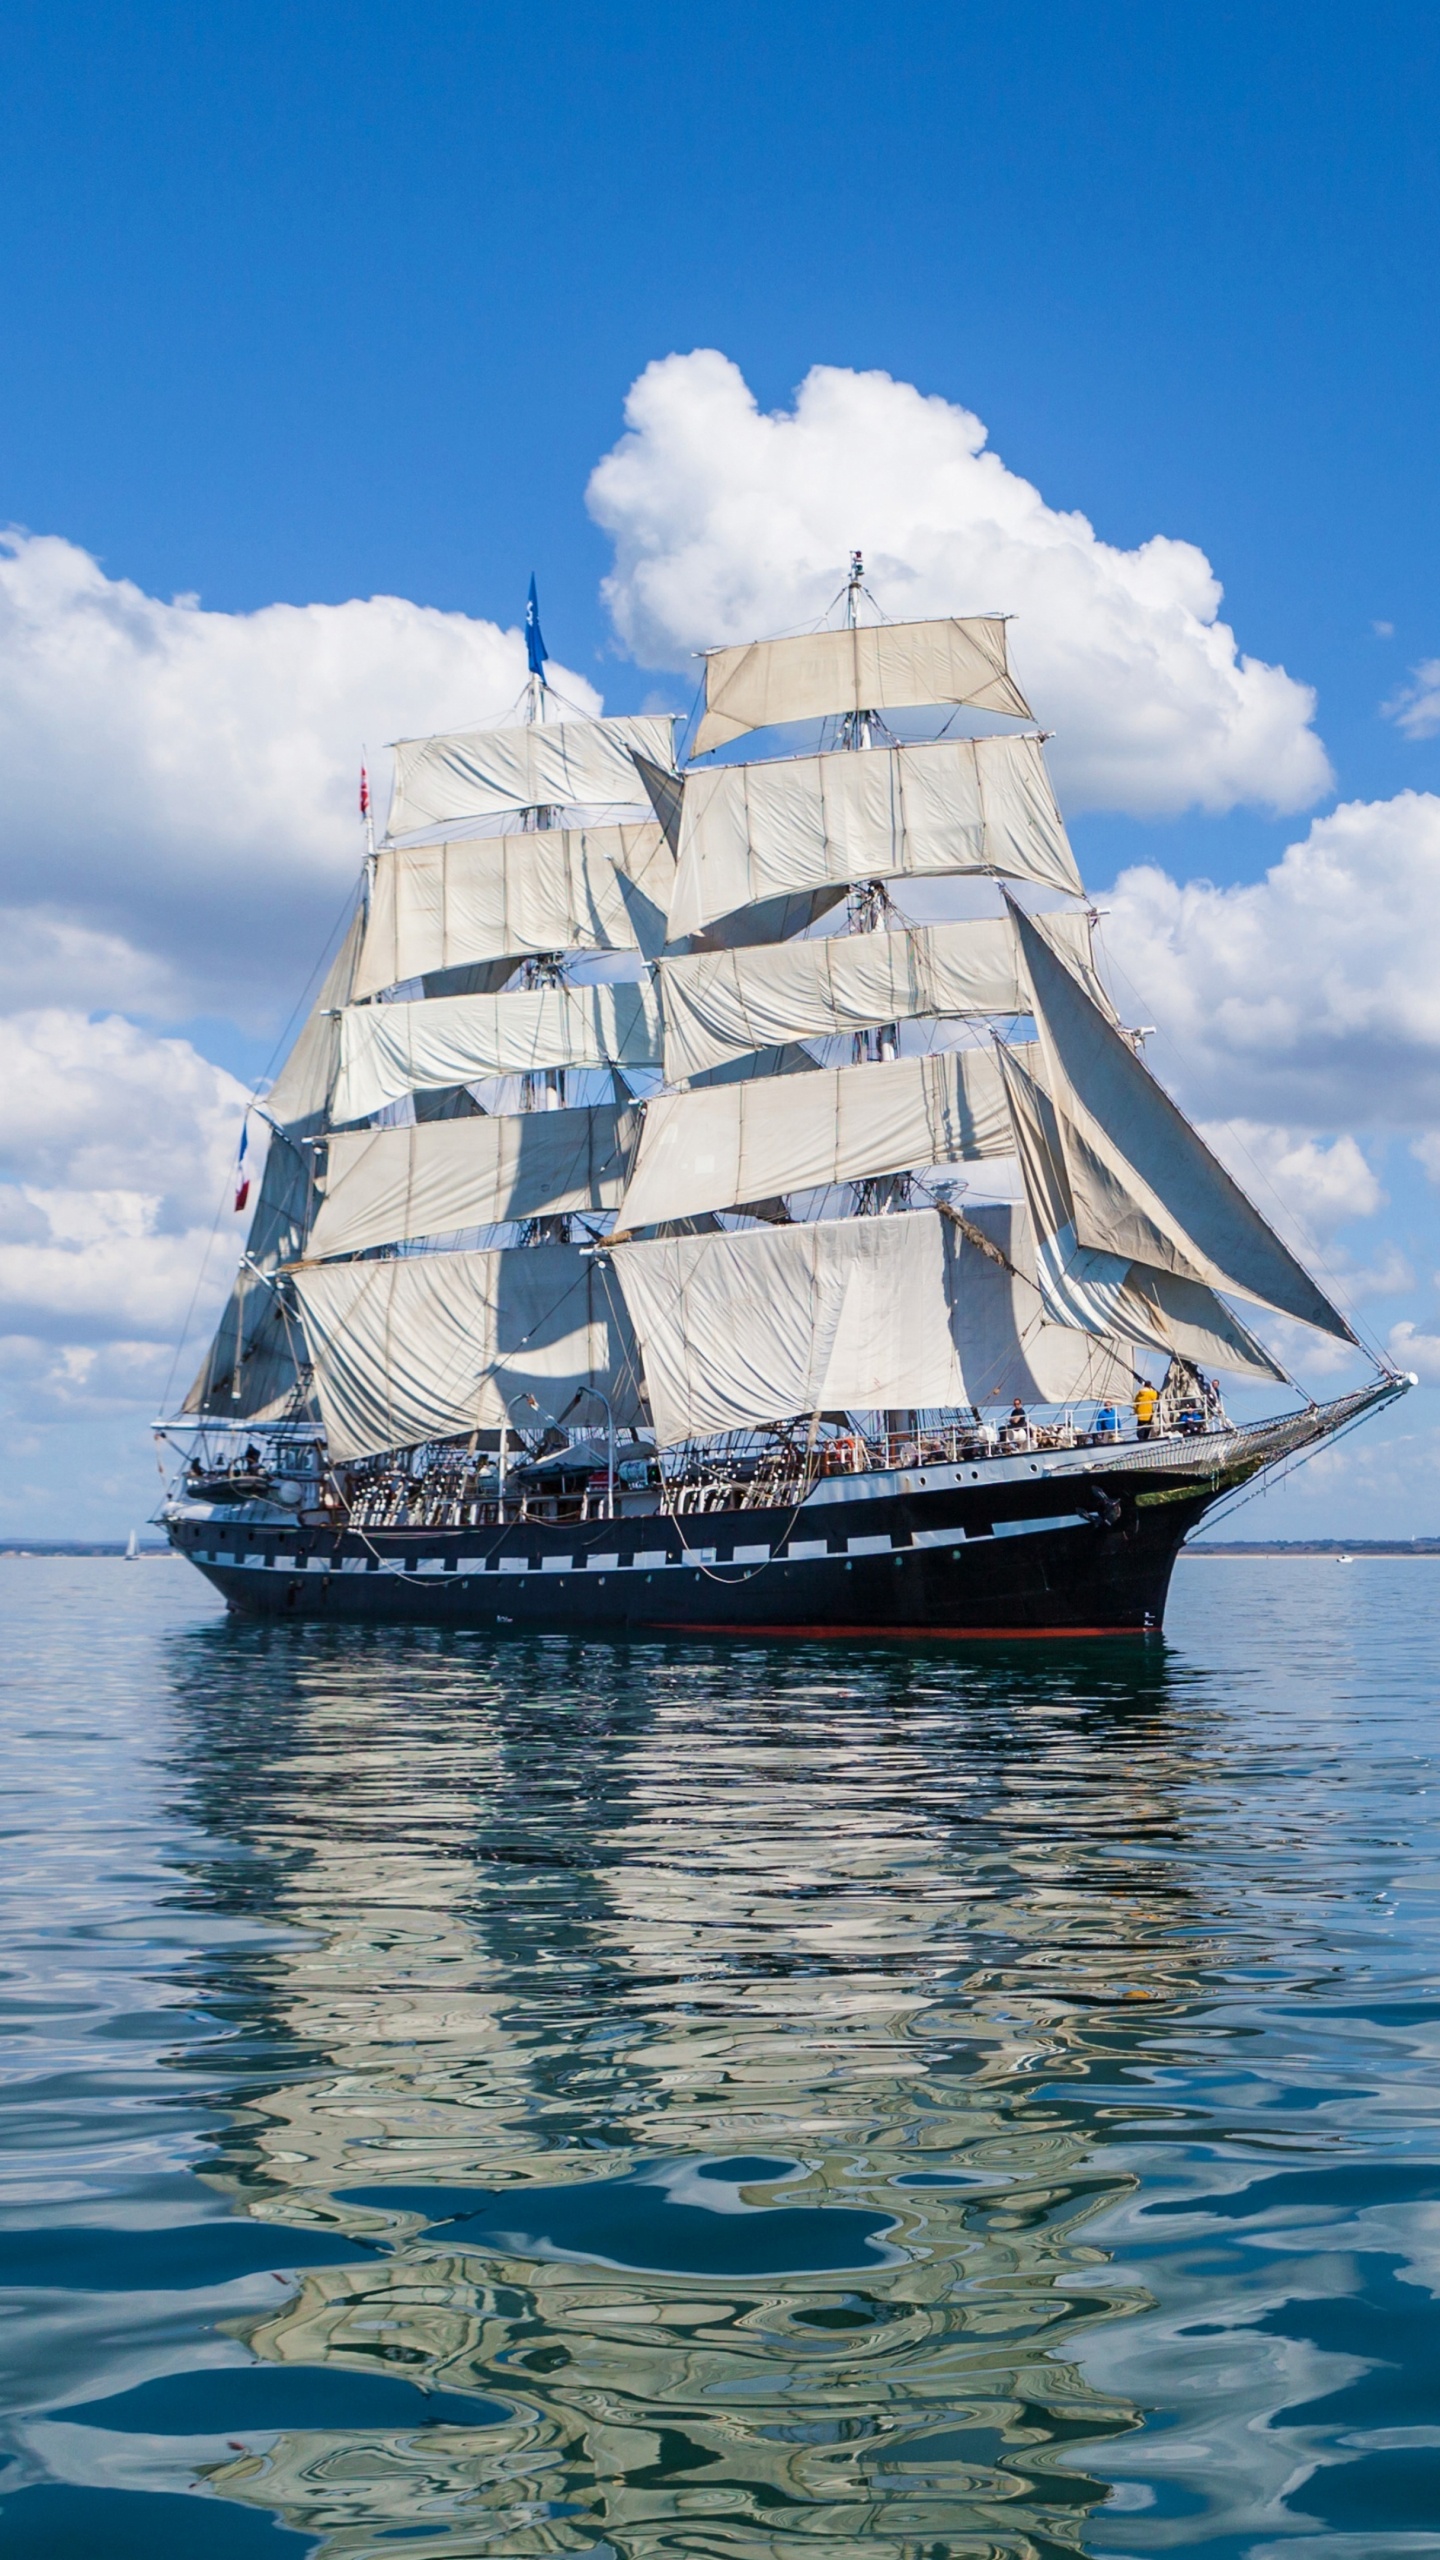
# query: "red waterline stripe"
[[951, 1635]]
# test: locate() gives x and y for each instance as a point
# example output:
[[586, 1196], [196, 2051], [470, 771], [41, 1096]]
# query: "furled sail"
[[435, 1345], [1147, 1152], [441, 906], [875, 667], [724, 1144], [490, 773], [299, 1099], [755, 831], [720, 1004], [757, 1327], [389, 1186], [1110, 1295], [387, 1050], [249, 1373]]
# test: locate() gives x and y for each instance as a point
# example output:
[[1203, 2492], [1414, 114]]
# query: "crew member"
[[1146, 1399]]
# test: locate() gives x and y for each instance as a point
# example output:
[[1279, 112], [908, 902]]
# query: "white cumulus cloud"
[[1416, 707], [116, 1151], [180, 785], [1412, 1349], [1306, 1186], [729, 522], [1310, 998]]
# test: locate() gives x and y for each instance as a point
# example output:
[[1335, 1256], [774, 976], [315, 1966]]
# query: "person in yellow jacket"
[[1145, 1400]]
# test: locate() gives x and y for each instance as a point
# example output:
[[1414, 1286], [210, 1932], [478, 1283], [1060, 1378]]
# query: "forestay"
[[1112, 1296], [1142, 1152], [755, 831], [723, 1003], [725, 1144], [757, 1327], [877, 667], [441, 906], [390, 1186], [387, 1050], [436, 1345], [489, 773]]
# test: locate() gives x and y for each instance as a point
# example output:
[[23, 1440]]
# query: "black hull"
[[1087, 1556]]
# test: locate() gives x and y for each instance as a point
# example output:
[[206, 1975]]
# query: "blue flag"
[[535, 649]]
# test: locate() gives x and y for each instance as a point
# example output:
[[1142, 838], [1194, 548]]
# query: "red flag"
[[364, 793], [243, 1194]]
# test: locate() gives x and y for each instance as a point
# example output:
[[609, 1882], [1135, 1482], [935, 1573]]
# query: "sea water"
[[720, 2099]]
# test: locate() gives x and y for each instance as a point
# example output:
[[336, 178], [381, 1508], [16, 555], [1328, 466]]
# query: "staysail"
[[872, 667], [1009, 1345], [251, 1372], [1146, 1154], [957, 805], [1109, 1295]]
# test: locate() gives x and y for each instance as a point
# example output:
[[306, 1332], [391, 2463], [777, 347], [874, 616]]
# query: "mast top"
[[536, 655]]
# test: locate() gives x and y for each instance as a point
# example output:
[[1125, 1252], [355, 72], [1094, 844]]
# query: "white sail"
[[1112, 1295], [389, 1186], [755, 831], [387, 1050], [724, 1144], [435, 1345], [442, 906], [489, 773], [721, 1004], [877, 667], [742, 1329], [249, 1372], [299, 1099], [1150, 1153], [1008, 1347]]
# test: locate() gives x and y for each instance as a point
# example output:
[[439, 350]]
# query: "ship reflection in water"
[[683, 2060]]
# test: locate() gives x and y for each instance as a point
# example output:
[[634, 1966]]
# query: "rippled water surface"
[[725, 2100]]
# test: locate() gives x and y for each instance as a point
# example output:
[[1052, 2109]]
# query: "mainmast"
[[869, 910], [544, 1090]]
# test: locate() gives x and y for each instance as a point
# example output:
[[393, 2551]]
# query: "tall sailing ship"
[[663, 1226]]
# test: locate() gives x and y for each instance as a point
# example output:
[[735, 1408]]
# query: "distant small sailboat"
[[132, 1550]]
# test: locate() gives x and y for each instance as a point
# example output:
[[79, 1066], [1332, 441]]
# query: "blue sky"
[[310, 305]]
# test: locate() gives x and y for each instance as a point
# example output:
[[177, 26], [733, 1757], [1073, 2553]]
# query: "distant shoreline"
[[41, 1547], [1356, 1547]]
